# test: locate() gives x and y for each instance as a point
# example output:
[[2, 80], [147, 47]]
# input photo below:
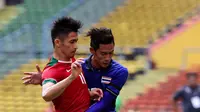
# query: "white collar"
[[60, 61]]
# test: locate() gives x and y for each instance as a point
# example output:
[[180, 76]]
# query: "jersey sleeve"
[[117, 82], [178, 94], [49, 75], [111, 92]]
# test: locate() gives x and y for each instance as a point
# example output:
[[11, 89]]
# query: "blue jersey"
[[110, 80], [190, 98]]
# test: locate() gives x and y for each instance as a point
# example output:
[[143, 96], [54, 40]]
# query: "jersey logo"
[[68, 70], [106, 80]]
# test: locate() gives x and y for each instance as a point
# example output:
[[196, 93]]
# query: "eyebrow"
[[74, 39], [107, 52]]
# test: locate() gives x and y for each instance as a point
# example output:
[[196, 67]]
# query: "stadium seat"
[[8, 14], [34, 12], [17, 97], [157, 98], [135, 21]]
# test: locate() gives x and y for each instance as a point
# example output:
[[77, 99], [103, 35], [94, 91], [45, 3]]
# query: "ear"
[[92, 51], [57, 42]]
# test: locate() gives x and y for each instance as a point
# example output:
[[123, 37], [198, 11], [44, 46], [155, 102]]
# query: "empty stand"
[[36, 11], [139, 86], [181, 48], [137, 20], [8, 14], [159, 97], [17, 97]]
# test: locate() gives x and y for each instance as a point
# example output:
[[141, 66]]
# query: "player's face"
[[69, 45], [192, 81], [104, 54]]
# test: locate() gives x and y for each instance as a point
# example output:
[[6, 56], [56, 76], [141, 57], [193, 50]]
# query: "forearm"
[[56, 90]]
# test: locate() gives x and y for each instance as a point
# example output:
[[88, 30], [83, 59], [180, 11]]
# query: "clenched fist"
[[76, 68]]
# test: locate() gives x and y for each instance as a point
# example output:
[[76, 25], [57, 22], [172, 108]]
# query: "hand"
[[34, 78], [96, 94], [76, 68]]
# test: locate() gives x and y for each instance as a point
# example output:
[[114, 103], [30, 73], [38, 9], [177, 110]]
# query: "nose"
[[108, 57], [75, 46]]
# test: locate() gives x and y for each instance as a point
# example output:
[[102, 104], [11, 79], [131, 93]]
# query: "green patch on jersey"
[[52, 62], [49, 80]]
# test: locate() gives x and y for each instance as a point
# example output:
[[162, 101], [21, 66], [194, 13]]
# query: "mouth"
[[106, 63], [74, 51]]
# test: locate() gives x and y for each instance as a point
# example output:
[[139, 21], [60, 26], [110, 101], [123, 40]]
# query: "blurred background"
[[157, 40]]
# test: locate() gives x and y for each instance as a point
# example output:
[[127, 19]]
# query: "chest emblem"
[[106, 80], [68, 70]]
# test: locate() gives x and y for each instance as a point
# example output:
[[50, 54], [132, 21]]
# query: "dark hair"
[[63, 26], [100, 36], [192, 74]]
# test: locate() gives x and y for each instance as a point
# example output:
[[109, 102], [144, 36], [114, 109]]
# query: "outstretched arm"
[[34, 78]]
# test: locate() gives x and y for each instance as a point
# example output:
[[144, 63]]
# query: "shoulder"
[[184, 89], [85, 61], [85, 65], [119, 69], [120, 73], [51, 71]]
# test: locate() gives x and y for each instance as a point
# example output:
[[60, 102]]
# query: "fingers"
[[78, 63], [74, 65], [100, 92], [80, 59], [28, 73], [99, 99], [38, 68], [26, 77], [26, 82]]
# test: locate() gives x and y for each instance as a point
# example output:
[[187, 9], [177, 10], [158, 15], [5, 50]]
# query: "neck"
[[94, 63], [60, 56]]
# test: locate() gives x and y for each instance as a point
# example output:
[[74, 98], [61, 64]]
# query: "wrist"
[[71, 77]]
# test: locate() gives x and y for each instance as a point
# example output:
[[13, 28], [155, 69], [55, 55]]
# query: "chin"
[[104, 66], [72, 55]]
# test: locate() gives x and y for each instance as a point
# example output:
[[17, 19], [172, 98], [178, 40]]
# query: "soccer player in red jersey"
[[62, 80]]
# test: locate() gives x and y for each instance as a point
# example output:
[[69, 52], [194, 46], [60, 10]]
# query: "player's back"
[[76, 97]]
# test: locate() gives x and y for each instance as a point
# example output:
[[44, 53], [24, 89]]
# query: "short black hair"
[[192, 74], [63, 26], [100, 36]]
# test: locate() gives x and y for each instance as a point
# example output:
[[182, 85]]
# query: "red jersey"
[[76, 96]]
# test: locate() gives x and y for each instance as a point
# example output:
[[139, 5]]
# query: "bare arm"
[[50, 90]]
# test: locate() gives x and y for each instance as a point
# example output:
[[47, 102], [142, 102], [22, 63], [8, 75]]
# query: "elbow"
[[47, 97]]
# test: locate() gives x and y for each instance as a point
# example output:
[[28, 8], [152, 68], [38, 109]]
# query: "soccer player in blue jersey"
[[103, 72], [100, 70]]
